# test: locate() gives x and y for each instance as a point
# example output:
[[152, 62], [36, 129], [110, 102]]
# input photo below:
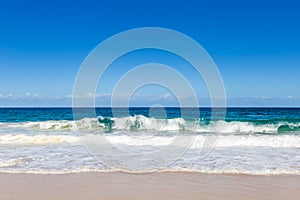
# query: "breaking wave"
[[141, 123]]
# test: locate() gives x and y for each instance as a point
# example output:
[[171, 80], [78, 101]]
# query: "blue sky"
[[255, 44]]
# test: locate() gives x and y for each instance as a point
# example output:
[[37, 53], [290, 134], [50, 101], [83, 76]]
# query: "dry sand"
[[147, 186]]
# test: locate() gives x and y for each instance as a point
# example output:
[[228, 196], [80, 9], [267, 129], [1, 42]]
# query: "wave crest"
[[143, 124]]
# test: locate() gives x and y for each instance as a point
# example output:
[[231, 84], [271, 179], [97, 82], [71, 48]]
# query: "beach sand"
[[167, 185]]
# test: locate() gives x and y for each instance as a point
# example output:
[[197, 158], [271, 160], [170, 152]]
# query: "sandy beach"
[[117, 185]]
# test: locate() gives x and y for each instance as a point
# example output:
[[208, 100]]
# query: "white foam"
[[58, 125], [142, 123], [12, 162], [36, 139], [264, 172], [85, 169], [274, 141], [241, 127], [232, 153]]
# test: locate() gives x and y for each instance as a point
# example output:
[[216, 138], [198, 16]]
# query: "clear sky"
[[255, 44]]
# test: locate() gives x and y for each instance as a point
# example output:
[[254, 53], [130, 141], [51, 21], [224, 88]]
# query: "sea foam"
[[142, 123]]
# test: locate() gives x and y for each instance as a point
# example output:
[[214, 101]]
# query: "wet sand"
[[169, 185]]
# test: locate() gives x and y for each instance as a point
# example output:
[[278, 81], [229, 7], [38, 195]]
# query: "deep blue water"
[[254, 115]]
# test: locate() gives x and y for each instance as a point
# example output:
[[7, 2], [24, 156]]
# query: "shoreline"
[[150, 172], [152, 185]]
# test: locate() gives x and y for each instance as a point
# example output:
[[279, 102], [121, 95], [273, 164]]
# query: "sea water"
[[248, 140]]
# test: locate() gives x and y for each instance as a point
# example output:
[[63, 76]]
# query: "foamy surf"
[[22, 139], [142, 123], [249, 141], [280, 141]]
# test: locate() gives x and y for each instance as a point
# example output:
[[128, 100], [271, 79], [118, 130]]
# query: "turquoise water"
[[249, 140]]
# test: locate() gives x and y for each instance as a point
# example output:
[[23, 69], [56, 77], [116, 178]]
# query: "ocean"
[[260, 141]]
